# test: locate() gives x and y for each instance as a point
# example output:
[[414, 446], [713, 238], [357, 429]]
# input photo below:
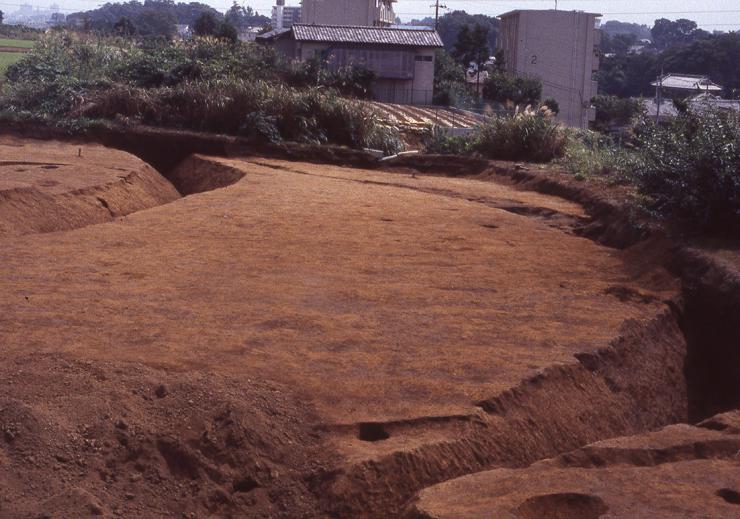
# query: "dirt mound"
[[81, 438], [51, 186], [680, 470]]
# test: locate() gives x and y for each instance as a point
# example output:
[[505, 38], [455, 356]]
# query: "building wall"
[[559, 48], [347, 12], [405, 74], [423, 84]]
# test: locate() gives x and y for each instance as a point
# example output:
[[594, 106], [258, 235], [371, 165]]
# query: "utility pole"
[[658, 95], [437, 7]]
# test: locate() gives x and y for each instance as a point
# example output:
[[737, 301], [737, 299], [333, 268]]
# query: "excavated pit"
[[68, 186], [679, 365]]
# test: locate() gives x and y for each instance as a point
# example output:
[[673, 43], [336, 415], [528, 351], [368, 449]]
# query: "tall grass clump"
[[690, 168], [589, 155], [530, 135]]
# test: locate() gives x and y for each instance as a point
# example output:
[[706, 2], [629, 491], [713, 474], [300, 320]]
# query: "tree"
[[237, 16], [462, 49], [124, 27], [152, 22], [613, 111], [206, 25], [449, 79], [667, 33], [472, 48], [451, 24], [1, 17], [713, 55], [506, 89], [226, 31]]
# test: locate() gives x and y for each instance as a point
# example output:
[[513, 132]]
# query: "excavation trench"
[[680, 366]]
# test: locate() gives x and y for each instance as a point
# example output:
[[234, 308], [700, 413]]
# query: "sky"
[[711, 15]]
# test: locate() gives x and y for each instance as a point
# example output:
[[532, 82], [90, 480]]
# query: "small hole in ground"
[[373, 432], [729, 495], [245, 484]]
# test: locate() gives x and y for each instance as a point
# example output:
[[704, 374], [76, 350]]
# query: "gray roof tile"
[[369, 35]]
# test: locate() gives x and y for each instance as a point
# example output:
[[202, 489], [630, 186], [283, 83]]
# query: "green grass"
[[24, 44], [7, 59]]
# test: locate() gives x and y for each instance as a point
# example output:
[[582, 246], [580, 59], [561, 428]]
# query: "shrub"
[[443, 143], [528, 135], [505, 89], [258, 109], [691, 167], [589, 154], [614, 111], [162, 83]]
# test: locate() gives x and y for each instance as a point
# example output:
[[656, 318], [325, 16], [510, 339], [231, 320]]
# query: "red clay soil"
[[50, 186], [330, 341], [678, 471]]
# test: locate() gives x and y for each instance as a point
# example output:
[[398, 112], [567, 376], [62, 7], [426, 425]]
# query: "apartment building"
[[284, 16], [561, 49], [372, 13]]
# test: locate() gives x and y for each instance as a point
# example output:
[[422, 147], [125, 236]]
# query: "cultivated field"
[[12, 51], [255, 337]]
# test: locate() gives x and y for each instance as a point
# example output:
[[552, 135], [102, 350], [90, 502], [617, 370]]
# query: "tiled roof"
[[688, 82], [370, 35]]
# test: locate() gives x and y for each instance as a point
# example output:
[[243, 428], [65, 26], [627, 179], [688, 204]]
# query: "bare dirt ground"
[[48, 186], [678, 471], [315, 340]]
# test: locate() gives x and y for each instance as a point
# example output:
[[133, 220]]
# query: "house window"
[[422, 58]]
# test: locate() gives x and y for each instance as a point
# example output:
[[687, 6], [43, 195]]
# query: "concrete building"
[[284, 16], [402, 59], [561, 49], [372, 13]]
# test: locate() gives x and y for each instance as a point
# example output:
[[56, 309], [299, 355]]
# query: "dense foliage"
[[471, 46], [450, 25], [530, 135], [159, 17], [19, 32], [204, 84], [688, 170], [715, 55], [507, 89], [691, 167], [614, 27], [612, 111]]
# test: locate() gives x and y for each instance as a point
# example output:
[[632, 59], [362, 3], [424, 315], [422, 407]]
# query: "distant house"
[[183, 31], [697, 103], [401, 58], [684, 85], [704, 101], [248, 33]]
